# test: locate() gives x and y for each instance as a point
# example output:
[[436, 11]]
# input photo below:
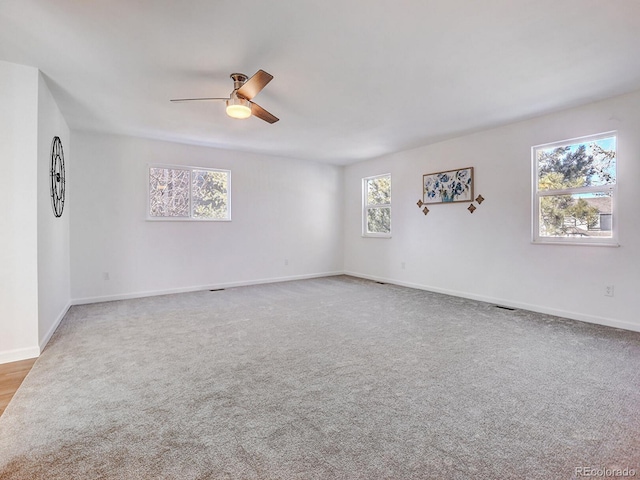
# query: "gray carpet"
[[321, 379]]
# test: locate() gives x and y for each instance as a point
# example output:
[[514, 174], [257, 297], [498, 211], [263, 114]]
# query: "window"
[[376, 214], [186, 193], [575, 191]]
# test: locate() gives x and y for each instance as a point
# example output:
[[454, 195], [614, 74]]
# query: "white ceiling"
[[353, 79]]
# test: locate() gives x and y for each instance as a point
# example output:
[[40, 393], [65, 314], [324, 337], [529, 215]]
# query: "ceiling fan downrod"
[[238, 80]]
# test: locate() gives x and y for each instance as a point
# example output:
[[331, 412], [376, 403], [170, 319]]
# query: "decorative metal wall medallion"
[[471, 208], [56, 176], [420, 203], [425, 210], [479, 199]]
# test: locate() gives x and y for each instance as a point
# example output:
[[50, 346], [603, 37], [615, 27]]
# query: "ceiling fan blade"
[[196, 99], [256, 83], [262, 114]]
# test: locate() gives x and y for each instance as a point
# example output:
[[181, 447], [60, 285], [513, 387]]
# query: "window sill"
[[576, 244], [172, 219]]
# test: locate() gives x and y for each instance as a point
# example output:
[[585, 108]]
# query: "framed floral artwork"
[[448, 187]]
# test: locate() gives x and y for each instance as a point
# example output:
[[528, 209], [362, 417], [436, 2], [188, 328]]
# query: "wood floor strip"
[[11, 377]]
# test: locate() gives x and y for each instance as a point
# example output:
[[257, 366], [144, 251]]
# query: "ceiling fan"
[[239, 104]]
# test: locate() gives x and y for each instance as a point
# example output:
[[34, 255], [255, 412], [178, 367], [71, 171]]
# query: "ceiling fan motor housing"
[[238, 106], [238, 80]]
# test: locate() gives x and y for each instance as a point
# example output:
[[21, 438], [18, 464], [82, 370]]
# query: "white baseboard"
[[198, 288], [609, 322], [45, 339], [19, 354], [33, 352]]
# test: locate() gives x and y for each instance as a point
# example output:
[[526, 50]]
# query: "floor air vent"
[[381, 283], [217, 290], [505, 308]]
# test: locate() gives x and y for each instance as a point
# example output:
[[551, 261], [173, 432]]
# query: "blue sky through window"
[[603, 164]]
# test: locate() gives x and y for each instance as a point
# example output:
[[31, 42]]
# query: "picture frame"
[[449, 186]]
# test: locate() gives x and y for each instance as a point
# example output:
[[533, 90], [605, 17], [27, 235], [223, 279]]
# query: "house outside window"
[[574, 191], [376, 206]]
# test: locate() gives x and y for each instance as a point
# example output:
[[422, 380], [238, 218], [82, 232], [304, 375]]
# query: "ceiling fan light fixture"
[[238, 107]]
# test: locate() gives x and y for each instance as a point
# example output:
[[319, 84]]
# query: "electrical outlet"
[[608, 290], [105, 275]]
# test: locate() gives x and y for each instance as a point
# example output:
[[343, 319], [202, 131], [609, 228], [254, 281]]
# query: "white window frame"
[[366, 207], [537, 195], [190, 218]]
